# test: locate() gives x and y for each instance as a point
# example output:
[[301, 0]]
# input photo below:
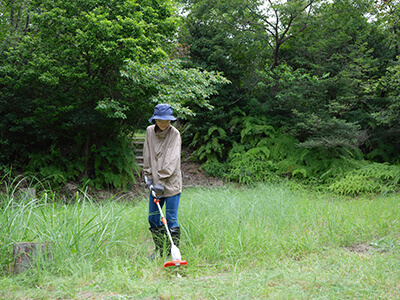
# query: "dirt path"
[[192, 176]]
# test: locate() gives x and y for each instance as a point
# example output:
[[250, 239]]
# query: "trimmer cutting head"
[[175, 263], [176, 258]]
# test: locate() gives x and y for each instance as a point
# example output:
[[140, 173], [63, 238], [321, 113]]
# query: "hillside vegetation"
[[264, 90]]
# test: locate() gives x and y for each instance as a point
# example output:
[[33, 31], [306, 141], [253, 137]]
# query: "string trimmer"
[[175, 253]]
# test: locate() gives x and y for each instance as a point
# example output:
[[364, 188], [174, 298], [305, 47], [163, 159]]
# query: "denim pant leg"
[[154, 214], [171, 208], [172, 205]]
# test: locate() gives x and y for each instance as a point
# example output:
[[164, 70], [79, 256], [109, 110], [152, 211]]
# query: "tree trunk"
[[86, 157]]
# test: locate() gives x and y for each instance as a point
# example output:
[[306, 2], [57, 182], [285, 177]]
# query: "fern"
[[324, 164], [54, 167], [372, 178], [279, 155], [383, 152], [265, 153], [255, 129], [212, 146], [214, 168], [114, 165], [251, 166], [286, 156]]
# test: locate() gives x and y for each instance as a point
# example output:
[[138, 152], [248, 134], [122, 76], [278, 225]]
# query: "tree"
[[14, 21], [67, 109], [271, 22], [308, 66], [387, 11], [343, 51]]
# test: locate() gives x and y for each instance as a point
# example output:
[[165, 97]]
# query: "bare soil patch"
[[361, 248], [364, 249]]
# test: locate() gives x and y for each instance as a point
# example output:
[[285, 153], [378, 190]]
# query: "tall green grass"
[[265, 242], [269, 222], [82, 232]]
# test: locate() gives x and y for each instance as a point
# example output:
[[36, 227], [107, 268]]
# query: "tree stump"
[[26, 253], [28, 194]]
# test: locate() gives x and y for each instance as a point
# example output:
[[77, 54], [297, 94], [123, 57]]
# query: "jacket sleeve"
[[172, 159], [146, 156]]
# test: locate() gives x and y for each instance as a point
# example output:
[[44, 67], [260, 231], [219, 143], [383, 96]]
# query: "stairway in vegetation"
[[138, 143]]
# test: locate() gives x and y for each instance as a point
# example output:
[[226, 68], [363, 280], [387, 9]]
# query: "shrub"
[[251, 166], [373, 178], [211, 147], [214, 168], [114, 165]]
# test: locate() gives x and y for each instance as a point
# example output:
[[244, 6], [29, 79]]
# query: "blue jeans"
[[171, 206]]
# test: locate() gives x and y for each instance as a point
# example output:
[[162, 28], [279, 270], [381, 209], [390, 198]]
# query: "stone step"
[[138, 143]]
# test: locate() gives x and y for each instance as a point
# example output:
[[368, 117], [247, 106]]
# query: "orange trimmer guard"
[[175, 263]]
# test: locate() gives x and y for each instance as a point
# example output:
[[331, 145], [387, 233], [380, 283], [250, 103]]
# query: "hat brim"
[[171, 118]]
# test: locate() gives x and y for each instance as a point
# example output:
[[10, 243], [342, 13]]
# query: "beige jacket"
[[162, 159]]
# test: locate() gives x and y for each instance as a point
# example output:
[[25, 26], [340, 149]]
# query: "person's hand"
[[157, 190], [149, 183]]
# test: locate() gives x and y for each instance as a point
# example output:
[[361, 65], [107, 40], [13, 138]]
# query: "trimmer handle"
[[157, 191]]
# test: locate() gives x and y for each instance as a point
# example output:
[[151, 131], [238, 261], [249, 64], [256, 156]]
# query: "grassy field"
[[268, 242]]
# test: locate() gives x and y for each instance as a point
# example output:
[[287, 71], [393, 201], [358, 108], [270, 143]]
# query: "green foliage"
[[14, 22], [372, 178], [75, 233], [264, 154], [249, 161], [112, 108], [267, 26], [214, 168], [78, 76], [322, 82], [84, 76], [281, 155], [317, 164], [330, 134], [388, 85], [211, 147], [54, 167], [385, 145], [61, 87], [114, 164], [253, 130], [169, 82], [323, 165], [288, 158], [251, 166], [293, 90]]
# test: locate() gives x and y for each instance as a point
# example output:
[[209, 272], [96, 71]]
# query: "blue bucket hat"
[[162, 112]]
